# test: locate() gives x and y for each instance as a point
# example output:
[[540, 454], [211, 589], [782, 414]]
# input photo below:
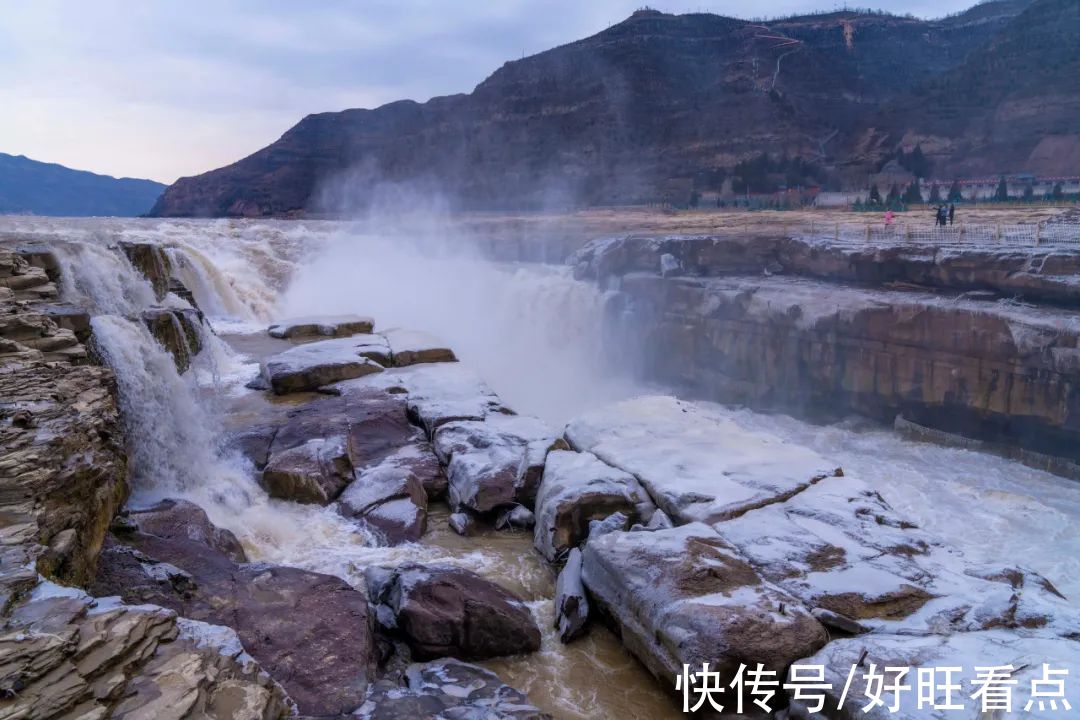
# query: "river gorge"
[[264, 467]]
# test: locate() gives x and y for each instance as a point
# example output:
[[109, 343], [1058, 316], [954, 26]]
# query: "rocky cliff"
[[984, 344], [619, 116]]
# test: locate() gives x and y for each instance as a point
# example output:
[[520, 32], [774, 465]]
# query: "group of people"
[[945, 214]]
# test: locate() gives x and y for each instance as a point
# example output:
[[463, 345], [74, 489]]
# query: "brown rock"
[[441, 611]]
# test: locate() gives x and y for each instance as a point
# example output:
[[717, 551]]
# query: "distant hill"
[[661, 100], [29, 187]]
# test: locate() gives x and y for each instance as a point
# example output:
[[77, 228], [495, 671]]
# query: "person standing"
[[888, 218], [952, 213]]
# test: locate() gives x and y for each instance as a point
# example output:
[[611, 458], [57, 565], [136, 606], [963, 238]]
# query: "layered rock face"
[[818, 327], [824, 566]]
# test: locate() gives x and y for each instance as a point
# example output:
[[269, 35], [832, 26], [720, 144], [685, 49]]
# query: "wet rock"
[[388, 500], [310, 366], [462, 523], [178, 330], [309, 631], [315, 472], [837, 622], [571, 605], [172, 519], [322, 326], [253, 443], [68, 655], [152, 261], [447, 689], [496, 463], [441, 610], [684, 596], [409, 347], [576, 489], [696, 466], [516, 518]]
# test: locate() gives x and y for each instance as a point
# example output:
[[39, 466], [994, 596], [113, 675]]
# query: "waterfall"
[[102, 279]]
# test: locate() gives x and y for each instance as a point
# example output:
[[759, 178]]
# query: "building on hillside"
[[838, 199]]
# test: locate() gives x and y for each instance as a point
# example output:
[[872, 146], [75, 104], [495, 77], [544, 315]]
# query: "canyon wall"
[[980, 343]]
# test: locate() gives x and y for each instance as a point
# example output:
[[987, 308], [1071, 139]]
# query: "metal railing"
[[1023, 235]]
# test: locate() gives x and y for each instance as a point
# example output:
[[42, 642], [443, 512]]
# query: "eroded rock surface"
[[64, 654], [321, 326], [310, 631], [447, 689], [313, 365], [445, 611], [685, 596], [409, 347], [578, 488], [696, 466]]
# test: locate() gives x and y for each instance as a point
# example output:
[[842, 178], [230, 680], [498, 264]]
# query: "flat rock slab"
[[315, 472], [321, 326], [576, 489], [441, 392], [684, 596], [447, 689], [991, 648], [310, 631], [409, 347], [313, 365], [839, 546], [494, 463], [697, 466], [446, 611]]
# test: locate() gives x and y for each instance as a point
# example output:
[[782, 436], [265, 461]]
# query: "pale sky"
[[166, 88]]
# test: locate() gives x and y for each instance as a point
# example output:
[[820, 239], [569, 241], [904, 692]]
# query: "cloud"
[[170, 88]]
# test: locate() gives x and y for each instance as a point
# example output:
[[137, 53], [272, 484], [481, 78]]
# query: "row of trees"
[[913, 195]]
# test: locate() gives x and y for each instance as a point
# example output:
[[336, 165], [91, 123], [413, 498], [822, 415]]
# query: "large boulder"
[[446, 689], [445, 611], [315, 472], [696, 465], [182, 519], [494, 463], [152, 261], [310, 631], [409, 347], [64, 654], [389, 500], [321, 326], [684, 597], [578, 488], [311, 366]]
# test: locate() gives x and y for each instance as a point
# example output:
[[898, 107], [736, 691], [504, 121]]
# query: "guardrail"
[[1025, 235]]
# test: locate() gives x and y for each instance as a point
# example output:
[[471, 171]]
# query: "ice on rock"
[[684, 596], [321, 325], [410, 347], [576, 489], [697, 466], [310, 366], [441, 392]]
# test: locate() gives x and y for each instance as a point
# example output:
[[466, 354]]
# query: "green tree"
[[1058, 193], [1029, 192], [913, 194], [935, 194], [954, 192], [1002, 192], [892, 200], [875, 195]]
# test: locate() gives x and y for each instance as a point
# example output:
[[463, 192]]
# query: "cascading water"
[[536, 335]]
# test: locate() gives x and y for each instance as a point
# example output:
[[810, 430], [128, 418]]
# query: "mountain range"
[[29, 187], [693, 100]]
